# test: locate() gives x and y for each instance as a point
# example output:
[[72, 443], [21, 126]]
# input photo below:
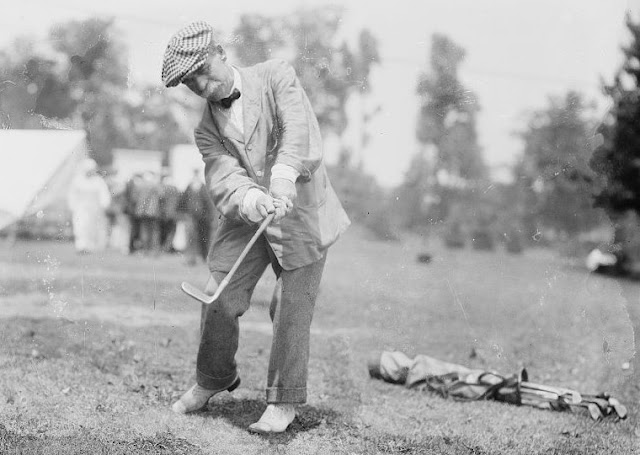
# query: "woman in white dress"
[[88, 200]]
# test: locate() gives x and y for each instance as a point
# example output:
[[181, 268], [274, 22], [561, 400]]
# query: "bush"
[[453, 237], [47, 226], [481, 239], [513, 242], [381, 225], [364, 200]]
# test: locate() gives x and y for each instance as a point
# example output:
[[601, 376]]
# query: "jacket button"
[[259, 173], [249, 148]]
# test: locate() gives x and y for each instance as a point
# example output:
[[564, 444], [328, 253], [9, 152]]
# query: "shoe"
[[196, 398], [275, 419]]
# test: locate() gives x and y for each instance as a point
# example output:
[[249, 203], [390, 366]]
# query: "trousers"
[[291, 315]]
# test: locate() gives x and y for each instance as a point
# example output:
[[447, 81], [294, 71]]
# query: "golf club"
[[196, 293]]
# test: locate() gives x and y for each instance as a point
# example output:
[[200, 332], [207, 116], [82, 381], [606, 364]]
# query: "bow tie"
[[228, 101]]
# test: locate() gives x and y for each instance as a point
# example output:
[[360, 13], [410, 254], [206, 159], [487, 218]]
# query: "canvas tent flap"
[[36, 169]]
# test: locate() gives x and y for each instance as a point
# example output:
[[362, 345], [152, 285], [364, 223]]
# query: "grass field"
[[94, 349]]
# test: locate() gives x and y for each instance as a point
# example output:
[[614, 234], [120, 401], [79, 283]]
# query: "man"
[[131, 201], [147, 211], [200, 217], [169, 200], [261, 146]]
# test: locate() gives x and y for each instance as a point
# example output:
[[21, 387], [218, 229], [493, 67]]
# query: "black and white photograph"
[[320, 227]]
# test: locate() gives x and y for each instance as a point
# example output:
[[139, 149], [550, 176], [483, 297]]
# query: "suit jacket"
[[279, 127]]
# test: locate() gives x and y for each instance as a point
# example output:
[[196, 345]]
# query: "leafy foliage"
[[447, 117], [440, 90], [618, 158], [555, 165], [79, 80], [444, 173], [330, 71], [363, 199], [328, 68]]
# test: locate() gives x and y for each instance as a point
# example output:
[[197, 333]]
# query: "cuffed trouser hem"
[[216, 384], [276, 395]]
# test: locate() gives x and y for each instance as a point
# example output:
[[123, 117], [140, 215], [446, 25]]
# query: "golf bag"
[[465, 384]]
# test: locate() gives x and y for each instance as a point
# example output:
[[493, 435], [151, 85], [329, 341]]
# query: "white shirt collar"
[[237, 80]]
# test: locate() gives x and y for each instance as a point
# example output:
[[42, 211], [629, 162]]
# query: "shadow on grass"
[[243, 412], [87, 442]]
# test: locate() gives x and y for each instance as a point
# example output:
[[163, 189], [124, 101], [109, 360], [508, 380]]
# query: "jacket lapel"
[[223, 124], [251, 101]]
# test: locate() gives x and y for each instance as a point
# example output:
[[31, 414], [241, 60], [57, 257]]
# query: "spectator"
[[88, 200], [147, 196], [130, 196], [169, 199], [120, 227], [200, 215]]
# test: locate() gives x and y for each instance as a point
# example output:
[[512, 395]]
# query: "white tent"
[[36, 168], [184, 159]]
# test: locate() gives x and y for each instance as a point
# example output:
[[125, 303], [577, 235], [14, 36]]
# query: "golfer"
[[262, 150]]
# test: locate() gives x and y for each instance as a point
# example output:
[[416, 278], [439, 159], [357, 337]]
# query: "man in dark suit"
[[201, 218], [261, 145], [169, 202]]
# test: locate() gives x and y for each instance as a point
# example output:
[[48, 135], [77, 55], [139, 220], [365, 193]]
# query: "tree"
[[327, 67], [450, 162], [330, 71], [447, 117], [555, 165], [617, 159], [440, 91], [31, 87], [80, 81], [96, 70], [257, 38]]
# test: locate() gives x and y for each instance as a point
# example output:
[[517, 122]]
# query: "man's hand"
[[284, 190], [265, 204]]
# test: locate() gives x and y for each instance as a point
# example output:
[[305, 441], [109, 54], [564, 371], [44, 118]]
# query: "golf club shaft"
[[227, 278]]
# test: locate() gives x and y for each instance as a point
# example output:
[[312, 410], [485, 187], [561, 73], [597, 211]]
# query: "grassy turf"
[[93, 349]]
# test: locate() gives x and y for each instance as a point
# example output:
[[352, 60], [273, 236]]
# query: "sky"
[[518, 54]]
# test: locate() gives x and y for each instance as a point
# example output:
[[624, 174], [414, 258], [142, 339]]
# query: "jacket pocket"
[[314, 192]]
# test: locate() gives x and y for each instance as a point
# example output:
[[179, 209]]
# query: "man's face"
[[214, 80]]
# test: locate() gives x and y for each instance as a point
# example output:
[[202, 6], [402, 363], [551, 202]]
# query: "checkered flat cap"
[[186, 52]]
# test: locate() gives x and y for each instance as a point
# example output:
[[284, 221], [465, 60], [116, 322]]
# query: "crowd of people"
[[146, 214]]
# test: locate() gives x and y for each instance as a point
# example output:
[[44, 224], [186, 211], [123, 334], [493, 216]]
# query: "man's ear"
[[223, 54]]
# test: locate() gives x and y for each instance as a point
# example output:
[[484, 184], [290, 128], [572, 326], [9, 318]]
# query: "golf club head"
[[618, 407], [594, 410], [574, 397], [194, 292]]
